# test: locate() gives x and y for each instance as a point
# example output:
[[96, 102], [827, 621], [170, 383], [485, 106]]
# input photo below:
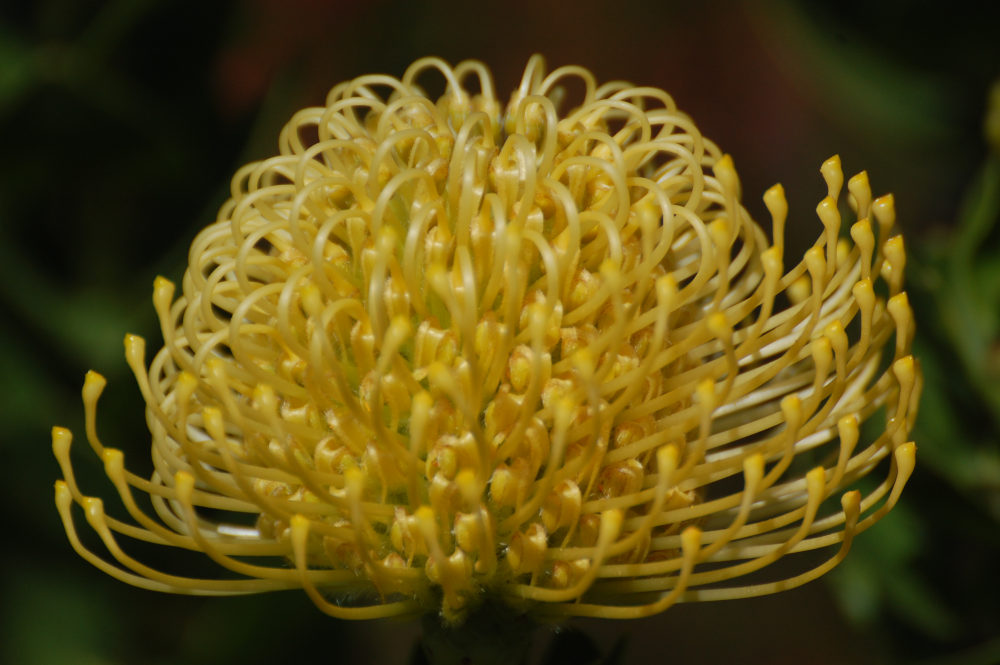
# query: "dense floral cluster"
[[442, 350]]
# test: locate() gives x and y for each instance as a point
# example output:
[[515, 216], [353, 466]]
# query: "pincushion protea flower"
[[436, 351]]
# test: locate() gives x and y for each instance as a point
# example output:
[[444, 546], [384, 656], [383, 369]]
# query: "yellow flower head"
[[439, 350]]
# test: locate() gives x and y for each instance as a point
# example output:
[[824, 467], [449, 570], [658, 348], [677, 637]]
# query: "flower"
[[438, 351]]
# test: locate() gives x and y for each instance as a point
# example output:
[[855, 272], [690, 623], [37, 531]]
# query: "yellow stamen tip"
[[833, 175], [64, 497], [725, 171], [93, 386], [62, 439]]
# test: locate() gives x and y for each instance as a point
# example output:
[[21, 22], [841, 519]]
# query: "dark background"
[[121, 123]]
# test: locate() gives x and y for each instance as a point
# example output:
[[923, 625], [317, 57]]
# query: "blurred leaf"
[[23, 387], [957, 452], [880, 573], [15, 69], [899, 103], [968, 300], [51, 618]]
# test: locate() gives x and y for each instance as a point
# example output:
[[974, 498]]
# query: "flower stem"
[[491, 634]]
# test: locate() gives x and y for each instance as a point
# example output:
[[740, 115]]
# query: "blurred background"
[[121, 123]]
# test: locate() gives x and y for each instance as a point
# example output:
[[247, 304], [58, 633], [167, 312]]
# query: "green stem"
[[491, 634]]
